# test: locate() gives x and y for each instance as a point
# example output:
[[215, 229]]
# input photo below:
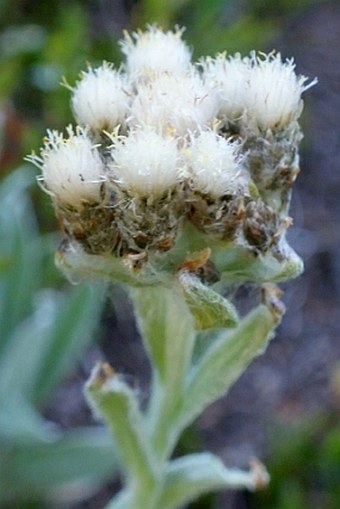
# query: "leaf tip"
[[271, 295], [259, 475]]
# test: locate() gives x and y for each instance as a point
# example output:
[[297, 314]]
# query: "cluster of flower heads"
[[162, 140]]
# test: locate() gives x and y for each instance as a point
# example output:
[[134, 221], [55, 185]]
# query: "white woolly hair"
[[273, 94], [155, 51], [174, 104], [229, 75], [145, 163], [213, 165], [100, 99], [72, 170]]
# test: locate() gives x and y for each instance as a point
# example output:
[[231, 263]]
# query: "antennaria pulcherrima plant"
[[176, 182]]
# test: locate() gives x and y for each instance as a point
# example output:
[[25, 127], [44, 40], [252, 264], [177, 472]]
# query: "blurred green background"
[[286, 409]]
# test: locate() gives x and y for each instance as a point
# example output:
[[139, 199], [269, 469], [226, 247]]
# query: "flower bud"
[[100, 99], [213, 165], [145, 163], [72, 170], [155, 51], [229, 75], [174, 104], [273, 93]]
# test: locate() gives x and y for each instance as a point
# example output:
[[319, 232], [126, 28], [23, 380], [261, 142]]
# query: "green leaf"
[[238, 264], [21, 424], [226, 360], [85, 456], [46, 344], [111, 398], [20, 363], [191, 476], [21, 248], [78, 266], [208, 307], [72, 330]]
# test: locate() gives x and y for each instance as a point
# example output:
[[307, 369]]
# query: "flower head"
[[155, 51], [229, 75], [145, 163], [213, 165], [273, 94], [212, 145], [100, 98], [72, 170], [174, 103]]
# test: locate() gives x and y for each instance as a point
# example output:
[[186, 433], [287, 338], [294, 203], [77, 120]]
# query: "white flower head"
[[174, 104], [274, 92], [155, 51], [72, 170], [145, 163], [229, 75], [100, 99], [213, 165]]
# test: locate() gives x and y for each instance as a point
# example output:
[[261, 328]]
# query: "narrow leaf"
[[191, 476], [72, 330], [86, 455], [20, 250], [227, 358], [44, 345], [208, 307], [21, 360], [111, 398], [238, 264], [21, 424]]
